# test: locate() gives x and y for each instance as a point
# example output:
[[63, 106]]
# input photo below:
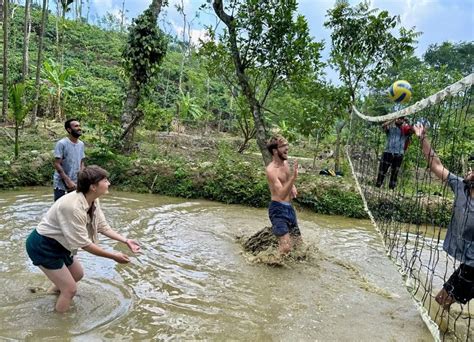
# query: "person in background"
[[69, 159], [398, 135], [459, 241]]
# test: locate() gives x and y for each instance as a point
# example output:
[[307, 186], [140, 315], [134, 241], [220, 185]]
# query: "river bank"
[[191, 166]]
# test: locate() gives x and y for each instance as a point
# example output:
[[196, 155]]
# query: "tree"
[[26, 40], [363, 45], [19, 109], [59, 84], [455, 56], [39, 61], [143, 53], [267, 45], [5, 60], [310, 108], [64, 9]]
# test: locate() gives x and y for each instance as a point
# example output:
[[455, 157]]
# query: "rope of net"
[[412, 216]]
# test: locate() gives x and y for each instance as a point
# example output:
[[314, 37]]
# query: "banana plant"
[[59, 82], [19, 109]]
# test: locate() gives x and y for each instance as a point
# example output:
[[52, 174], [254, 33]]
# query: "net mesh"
[[412, 208]]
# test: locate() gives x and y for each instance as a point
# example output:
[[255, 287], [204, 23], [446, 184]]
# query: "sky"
[[438, 20]]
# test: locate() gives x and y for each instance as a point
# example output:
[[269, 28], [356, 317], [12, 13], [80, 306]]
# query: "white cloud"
[[103, 6]]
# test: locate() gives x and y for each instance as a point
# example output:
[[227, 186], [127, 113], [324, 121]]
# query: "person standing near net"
[[459, 241], [282, 188], [74, 222], [69, 159], [398, 134]]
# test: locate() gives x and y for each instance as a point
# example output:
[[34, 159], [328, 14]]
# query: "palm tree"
[[26, 40], [5, 60], [39, 61], [19, 109]]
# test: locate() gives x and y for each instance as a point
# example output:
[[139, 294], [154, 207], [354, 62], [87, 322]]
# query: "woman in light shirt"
[[73, 222]]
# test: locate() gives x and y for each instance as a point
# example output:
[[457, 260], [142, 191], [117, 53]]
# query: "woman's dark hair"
[[88, 176]]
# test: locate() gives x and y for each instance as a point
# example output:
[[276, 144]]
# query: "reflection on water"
[[192, 282]]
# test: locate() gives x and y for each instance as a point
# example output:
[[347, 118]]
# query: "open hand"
[[121, 258], [295, 169], [419, 130], [133, 245]]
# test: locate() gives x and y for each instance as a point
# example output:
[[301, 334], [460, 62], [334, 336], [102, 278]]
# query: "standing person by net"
[[398, 134], [459, 241]]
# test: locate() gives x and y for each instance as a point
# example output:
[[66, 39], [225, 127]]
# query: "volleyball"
[[400, 91]]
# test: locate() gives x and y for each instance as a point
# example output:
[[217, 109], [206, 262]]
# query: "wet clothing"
[[397, 143], [283, 218], [459, 241], [393, 161], [47, 252], [460, 285], [58, 193], [72, 223], [72, 155]]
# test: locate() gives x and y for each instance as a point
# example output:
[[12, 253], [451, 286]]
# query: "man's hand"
[[133, 245], [295, 169], [294, 192], [420, 130], [70, 185]]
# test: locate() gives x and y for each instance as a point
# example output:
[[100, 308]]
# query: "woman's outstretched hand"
[[133, 245], [121, 258]]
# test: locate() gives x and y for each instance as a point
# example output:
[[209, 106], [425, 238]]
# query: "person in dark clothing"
[[398, 135], [459, 241]]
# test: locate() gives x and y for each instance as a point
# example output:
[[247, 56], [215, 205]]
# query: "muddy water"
[[191, 282]]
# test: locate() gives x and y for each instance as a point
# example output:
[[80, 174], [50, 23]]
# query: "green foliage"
[[453, 56], [233, 180], [19, 109], [145, 49], [59, 82], [331, 199], [363, 45]]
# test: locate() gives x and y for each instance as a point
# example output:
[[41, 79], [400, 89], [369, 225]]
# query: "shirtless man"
[[281, 182]]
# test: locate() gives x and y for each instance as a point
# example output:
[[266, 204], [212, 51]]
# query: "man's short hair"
[[90, 175], [273, 142], [67, 124]]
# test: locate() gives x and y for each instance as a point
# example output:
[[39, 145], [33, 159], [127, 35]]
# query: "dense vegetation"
[[200, 116]]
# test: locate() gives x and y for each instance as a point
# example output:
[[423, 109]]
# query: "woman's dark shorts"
[[283, 219], [47, 252], [460, 285]]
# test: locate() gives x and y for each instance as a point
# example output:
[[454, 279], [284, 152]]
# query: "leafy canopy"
[[363, 42]]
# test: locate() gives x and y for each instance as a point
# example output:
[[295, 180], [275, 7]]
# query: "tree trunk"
[[339, 126], [131, 116], [26, 40], [39, 62], [316, 145], [16, 139], [254, 105], [5, 61]]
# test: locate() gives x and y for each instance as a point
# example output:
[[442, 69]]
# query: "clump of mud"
[[262, 247]]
